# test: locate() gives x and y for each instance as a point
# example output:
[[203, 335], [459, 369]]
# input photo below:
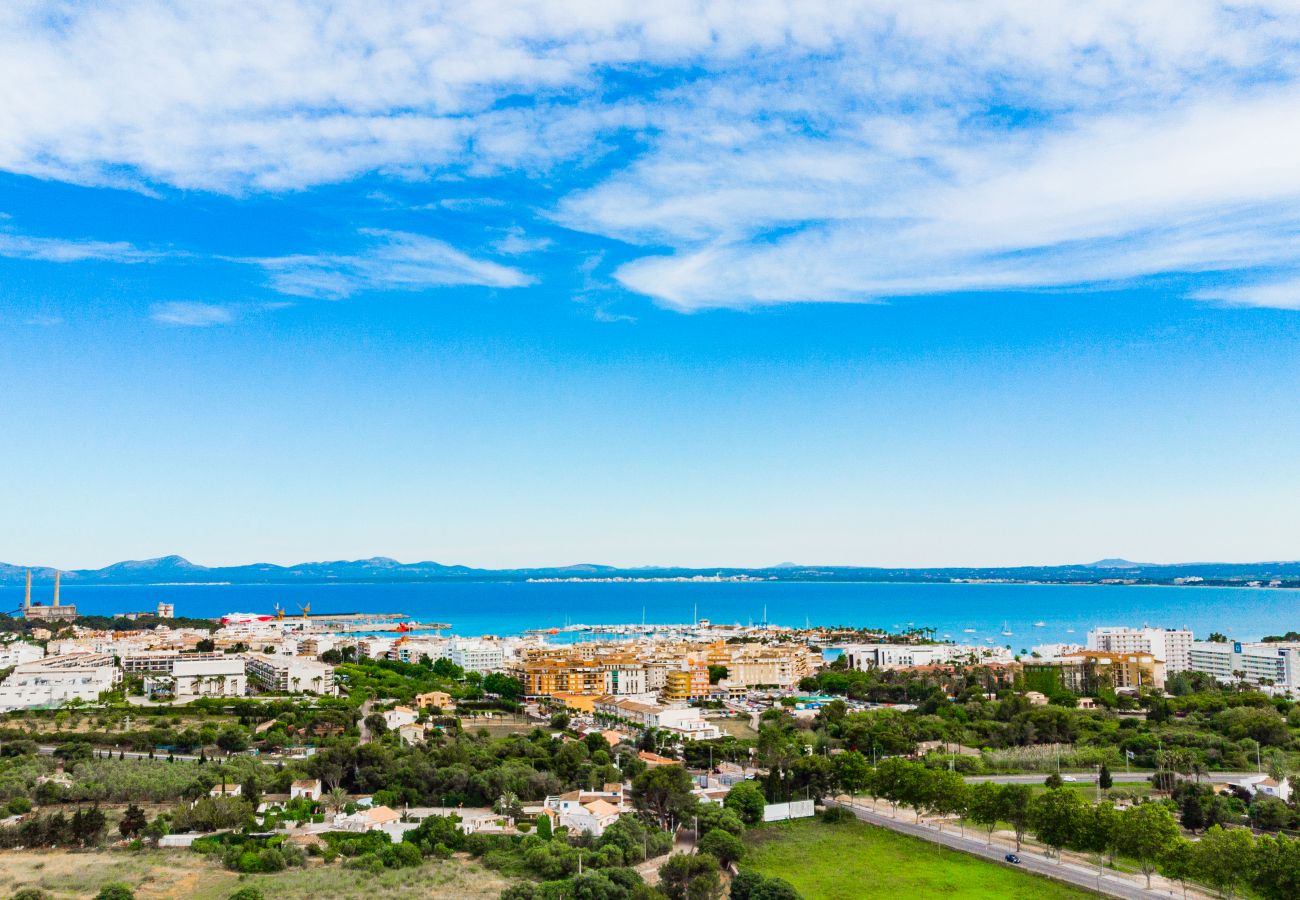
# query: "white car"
[[1069, 778]]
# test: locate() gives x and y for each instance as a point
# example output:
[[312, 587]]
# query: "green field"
[[853, 860]]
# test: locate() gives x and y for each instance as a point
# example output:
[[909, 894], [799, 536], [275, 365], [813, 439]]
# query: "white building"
[[476, 656], [590, 812], [162, 661], [1173, 645], [290, 674], [1273, 666], [58, 679], [16, 653], [901, 656], [683, 721], [305, 787], [398, 716], [625, 679], [221, 677]]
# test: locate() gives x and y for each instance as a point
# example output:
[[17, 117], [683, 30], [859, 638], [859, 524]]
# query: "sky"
[[731, 283]]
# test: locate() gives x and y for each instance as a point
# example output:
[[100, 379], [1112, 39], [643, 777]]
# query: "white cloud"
[[1280, 294], [782, 150], [191, 314], [392, 260], [23, 246], [517, 243]]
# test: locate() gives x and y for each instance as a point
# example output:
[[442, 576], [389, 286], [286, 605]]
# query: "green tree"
[[1056, 816], [248, 893], [133, 821], [1276, 869], [1017, 802], [1104, 779], [664, 793], [1179, 862], [984, 806], [677, 876], [747, 799], [1145, 832], [1224, 858], [1269, 813], [115, 890], [852, 772], [725, 847], [717, 673], [232, 739]]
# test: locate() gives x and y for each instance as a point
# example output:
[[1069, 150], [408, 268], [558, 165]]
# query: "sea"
[[968, 613]]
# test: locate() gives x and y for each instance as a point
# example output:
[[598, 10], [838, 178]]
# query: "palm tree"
[[336, 799]]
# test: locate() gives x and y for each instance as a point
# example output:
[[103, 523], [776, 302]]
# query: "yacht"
[[1006, 630], [1040, 624]]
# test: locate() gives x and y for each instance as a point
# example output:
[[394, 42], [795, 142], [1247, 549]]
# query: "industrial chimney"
[[56, 587], [27, 597]]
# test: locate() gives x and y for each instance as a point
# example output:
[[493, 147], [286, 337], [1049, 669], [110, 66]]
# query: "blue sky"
[[896, 284]]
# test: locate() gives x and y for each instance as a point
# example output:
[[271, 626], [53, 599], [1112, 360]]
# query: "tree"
[[984, 806], [717, 673], [852, 772], [560, 721], [1269, 813], [753, 886], [1276, 874], [747, 799], [1053, 781], [503, 685], [248, 893], [725, 847], [1224, 858], [232, 740], [115, 890], [206, 645], [1179, 862], [133, 821], [445, 668], [1056, 816], [544, 827], [1145, 832], [376, 724], [1104, 779], [335, 799], [664, 793], [1016, 805], [678, 876]]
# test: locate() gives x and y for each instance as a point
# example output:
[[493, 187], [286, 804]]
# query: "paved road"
[[1088, 877], [48, 750], [1090, 777]]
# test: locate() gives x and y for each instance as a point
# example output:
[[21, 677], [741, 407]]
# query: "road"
[[1090, 878], [48, 750], [1090, 777]]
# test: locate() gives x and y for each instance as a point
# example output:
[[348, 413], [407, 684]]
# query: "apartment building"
[[1275, 666], [1173, 645], [1087, 672], [290, 674], [687, 683], [684, 721], [164, 661], [58, 679], [16, 653], [477, 656], [223, 676]]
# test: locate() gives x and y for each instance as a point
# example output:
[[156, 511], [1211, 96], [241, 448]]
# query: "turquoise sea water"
[[505, 608]]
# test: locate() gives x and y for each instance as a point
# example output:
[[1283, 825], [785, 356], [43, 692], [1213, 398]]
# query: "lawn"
[[159, 874], [854, 860]]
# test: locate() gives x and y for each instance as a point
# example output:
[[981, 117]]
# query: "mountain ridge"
[[176, 569]]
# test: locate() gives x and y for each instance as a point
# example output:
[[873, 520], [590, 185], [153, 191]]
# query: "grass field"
[[159, 874], [853, 860]]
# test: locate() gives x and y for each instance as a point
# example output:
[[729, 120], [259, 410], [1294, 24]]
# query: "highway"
[[1112, 884], [1090, 777]]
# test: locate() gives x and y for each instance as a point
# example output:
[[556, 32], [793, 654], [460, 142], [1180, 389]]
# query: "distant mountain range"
[[178, 570]]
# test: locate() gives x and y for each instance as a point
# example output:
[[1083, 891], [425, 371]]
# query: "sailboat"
[[1006, 630]]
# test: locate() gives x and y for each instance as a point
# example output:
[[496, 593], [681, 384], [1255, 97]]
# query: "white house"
[[398, 716], [1264, 784], [308, 788]]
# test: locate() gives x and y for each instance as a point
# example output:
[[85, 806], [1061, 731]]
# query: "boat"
[[1069, 631], [1006, 630], [1040, 624], [969, 630]]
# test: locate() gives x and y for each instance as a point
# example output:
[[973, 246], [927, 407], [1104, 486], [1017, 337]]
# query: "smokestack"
[[27, 597], [56, 587]]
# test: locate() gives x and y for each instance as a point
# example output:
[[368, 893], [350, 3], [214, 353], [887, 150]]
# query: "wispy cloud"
[[392, 260], [1279, 294], [22, 246], [518, 243], [191, 314]]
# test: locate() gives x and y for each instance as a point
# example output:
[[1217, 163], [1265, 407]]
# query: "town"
[[695, 749]]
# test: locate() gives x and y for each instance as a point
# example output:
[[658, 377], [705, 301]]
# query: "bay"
[[472, 608]]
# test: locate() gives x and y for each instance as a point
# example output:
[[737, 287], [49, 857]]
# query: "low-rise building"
[[54, 680], [161, 661], [308, 788], [290, 674], [684, 721], [223, 676], [434, 700], [15, 653]]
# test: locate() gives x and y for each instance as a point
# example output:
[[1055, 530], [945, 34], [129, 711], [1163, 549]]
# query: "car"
[[1069, 778], [1013, 859]]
